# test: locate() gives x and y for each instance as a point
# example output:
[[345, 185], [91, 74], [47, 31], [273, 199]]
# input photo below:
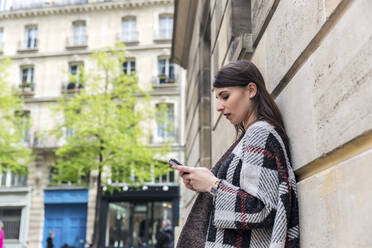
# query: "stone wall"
[[316, 59]]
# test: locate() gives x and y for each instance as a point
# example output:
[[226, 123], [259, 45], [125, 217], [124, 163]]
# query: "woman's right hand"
[[186, 181]]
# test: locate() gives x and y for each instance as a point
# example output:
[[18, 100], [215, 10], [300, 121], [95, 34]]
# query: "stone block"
[[335, 205], [260, 9], [293, 25], [224, 37], [328, 102], [193, 152], [297, 108], [217, 17], [222, 137]]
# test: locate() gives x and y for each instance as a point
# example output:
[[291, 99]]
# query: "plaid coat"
[[256, 201]]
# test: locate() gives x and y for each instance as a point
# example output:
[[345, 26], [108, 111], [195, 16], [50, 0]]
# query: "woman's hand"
[[199, 179]]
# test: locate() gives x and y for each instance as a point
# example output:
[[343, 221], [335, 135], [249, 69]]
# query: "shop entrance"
[[135, 224]]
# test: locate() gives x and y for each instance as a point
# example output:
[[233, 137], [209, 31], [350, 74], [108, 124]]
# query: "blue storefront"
[[66, 217]]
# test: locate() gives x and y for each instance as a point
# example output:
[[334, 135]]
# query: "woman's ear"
[[251, 90]]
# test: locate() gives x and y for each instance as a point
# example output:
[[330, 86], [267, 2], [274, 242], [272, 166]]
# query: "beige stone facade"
[[316, 59], [52, 56]]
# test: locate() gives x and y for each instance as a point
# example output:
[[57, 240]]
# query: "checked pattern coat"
[[256, 201]]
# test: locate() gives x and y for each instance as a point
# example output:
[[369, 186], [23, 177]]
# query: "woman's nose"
[[219, 106]]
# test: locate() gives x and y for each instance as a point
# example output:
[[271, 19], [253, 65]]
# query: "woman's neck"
[[251, 119]]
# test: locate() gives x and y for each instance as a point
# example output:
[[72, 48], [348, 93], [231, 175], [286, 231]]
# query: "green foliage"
[[14, 156], [108, 131]]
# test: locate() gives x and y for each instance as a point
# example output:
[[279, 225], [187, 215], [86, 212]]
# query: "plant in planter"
[[26, 86], [162, 78]]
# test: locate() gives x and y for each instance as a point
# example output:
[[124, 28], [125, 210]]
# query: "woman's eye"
[[225, 97]]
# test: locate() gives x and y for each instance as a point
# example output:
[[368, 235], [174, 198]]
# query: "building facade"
[[46, 41], [315, 58]]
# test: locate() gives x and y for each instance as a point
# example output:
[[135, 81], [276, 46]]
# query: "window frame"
[[165, 31], [168, 76], [161, 134], [129, 33], [79, 33], [31, 37], [6, 218], [129, 66], [30, 78]]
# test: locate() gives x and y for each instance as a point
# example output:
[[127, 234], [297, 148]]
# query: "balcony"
[[45, 141], [161, 37], [27, 89], [71, 87], [128, 39], [163, 79], [28, 46], [77, 42]]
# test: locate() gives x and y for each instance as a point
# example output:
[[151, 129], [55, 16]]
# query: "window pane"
[[3, 178], [12, 220], [79, 31], [171, 70], [129, 30], [31, 37], [133, 66], [165, 129], [118, 218], [161, 66], [165, 26]]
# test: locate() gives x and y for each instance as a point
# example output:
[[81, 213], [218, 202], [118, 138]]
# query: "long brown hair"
[[240, 74]]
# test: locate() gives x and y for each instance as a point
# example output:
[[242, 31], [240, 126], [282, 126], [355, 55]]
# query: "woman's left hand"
[[200, 178]]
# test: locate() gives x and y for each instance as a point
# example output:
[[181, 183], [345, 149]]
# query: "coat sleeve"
[[251, 200]]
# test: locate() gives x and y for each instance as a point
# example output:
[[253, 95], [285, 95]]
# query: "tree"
[[105, 125], [14, 155]]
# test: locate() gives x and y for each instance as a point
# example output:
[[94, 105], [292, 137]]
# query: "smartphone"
[[173, 161]]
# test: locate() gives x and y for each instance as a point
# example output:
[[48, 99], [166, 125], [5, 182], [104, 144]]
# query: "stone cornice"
[[70, 9], [81, 52]]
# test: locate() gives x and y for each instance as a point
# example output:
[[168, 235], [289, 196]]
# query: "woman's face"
[[235, 102]]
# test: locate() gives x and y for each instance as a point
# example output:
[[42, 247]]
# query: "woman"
[[165, 235], [249, 198], [1, 234]]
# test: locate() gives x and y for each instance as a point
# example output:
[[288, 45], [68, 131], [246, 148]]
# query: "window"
[[75, 76], [11, 179], [1, 39], [79, 37], [165, 26], [11, 218], [165, 121], [2, 5], [129, 66], [69, 132], [31, 37], [128, 29], [23, 125], [27, 77], [165, 71]]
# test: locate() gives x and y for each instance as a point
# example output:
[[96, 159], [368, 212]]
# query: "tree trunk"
[[96, 236]]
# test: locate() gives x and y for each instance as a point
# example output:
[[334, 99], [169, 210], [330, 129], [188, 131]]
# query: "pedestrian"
[[165, 237], [249, 198], [50, 243], [1, 234]]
